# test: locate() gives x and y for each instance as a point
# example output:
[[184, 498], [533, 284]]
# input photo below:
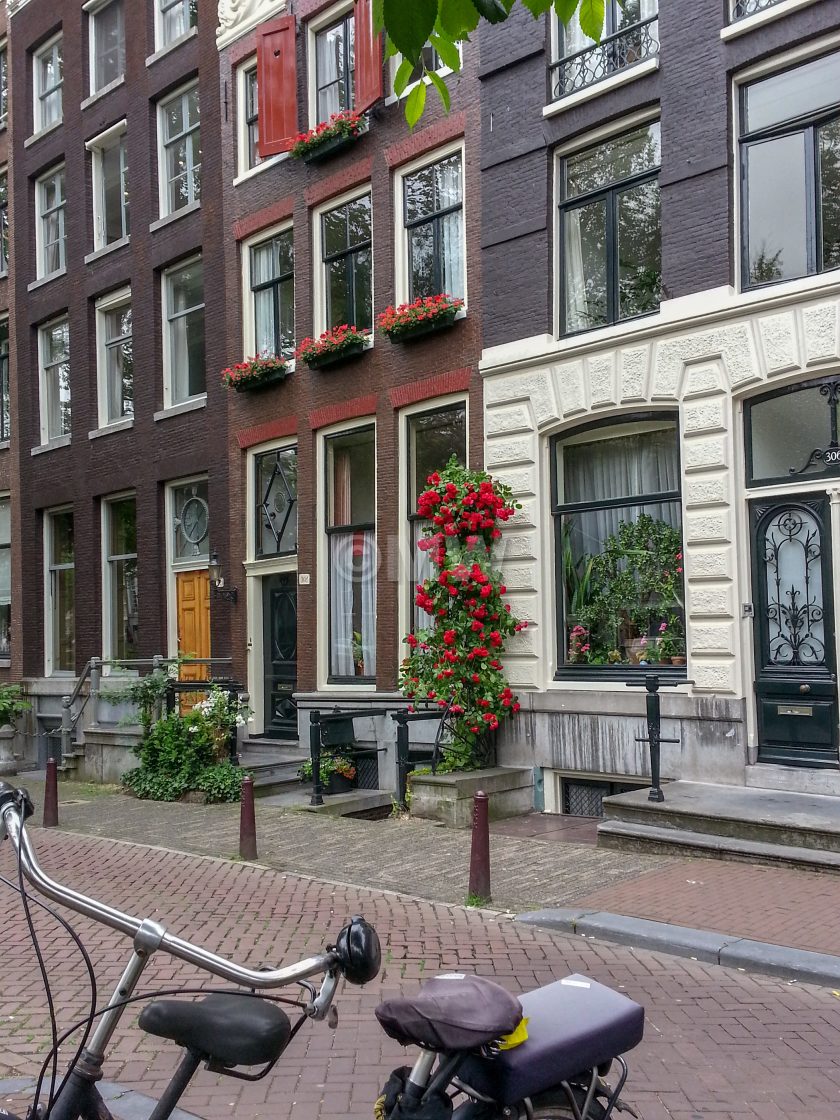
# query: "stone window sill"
[[97, 94], [190, 208], [36, 136], [39, 283], [109, 429], [272, 161], [628, 74], [59, 441], [106, 249], [178, 409], [162, 52], [740, 27]]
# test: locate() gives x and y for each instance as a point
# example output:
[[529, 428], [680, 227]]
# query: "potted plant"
[[358, 654], [338, 773], [12, 705], [671, 642], [420, 317], [338, 344], [329, 137], [255, 373]]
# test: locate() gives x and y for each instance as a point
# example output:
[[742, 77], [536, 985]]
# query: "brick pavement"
[[719, 1043]]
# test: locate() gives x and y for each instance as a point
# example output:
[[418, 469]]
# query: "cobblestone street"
[[718, 1043]]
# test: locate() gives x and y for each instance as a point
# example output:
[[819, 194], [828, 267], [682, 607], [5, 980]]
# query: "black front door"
[[796, 686], [280, 654]]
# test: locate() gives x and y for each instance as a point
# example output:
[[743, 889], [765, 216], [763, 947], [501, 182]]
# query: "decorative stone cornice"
[[237, 17]]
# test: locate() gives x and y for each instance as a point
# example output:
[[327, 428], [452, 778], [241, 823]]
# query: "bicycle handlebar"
[[11, 825]]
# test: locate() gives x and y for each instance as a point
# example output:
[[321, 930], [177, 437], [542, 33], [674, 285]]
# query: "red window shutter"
[[368, 58], [276, 86]]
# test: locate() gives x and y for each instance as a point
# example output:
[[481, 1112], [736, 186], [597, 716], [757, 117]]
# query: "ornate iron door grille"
[[280, 654]]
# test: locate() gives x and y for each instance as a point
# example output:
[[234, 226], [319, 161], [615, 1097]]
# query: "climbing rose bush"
[[457, 657]]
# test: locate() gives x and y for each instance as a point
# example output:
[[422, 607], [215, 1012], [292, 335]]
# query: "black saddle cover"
[[451, 1012], [234, 1030]]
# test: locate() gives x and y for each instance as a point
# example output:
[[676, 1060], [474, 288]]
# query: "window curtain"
[[448, 176], [341, 606], [179, 351], [328, 68], [368, 579]]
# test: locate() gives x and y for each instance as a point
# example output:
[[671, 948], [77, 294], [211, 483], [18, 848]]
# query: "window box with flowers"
[[329, 137], [339, 344], [422, 316], [256, 373]]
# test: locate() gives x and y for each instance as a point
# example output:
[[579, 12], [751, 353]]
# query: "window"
[[610, 231], [631, 35], [191, 522], [5, 578], [351, 533], [618, 557], [50, 235], [4, 223], [122, 622], [272, 287], [107, 45], [792, 433], [433, 216], [184, 342], [5, 395], [55, 380], [348, 263], [174, 18], [249, 131], [4, 85], [276, 513], [115, 357], [61, 593], [433, 438], [180, 163], [790, 173], [109, 154], [743, 8], [48, 80], [335, 67]]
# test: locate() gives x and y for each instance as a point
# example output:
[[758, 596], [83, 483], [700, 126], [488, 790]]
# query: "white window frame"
[[49, 568], [322, 551], [168, 401], [319, 288], [97, 147], [6, 436], [405, 613], [6, 496], [162, 43], [443, 71], [4, 257], [110, 302], [95, 8], [43, 331], [401, 287], [173, 565], [40, 245], [107, 559], [163, 181], [4, 76], [38, 95], [319, 23], [249, 340]]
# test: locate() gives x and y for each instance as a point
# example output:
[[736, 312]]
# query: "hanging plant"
[[456, 661]]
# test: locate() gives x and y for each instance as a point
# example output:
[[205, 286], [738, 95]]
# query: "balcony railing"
[[743, 8], [615, 52]]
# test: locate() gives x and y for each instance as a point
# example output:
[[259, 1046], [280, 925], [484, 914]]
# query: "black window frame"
[[624, 673], [786, 390], [5, 392], [346, 83], [434, 218], [260, 512], [4, 223], [809, 124], [275, 282], [610, 195], [347, 254]]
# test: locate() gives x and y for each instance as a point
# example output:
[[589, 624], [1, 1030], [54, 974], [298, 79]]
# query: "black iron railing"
[[743, 8], [615, 52]]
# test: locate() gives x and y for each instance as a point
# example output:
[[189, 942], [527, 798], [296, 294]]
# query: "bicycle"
[[484, 1053]]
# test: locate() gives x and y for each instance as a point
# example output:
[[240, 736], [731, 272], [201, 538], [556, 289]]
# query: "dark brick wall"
[[8, 465], [360, 388], [151, 453], [692, 87]]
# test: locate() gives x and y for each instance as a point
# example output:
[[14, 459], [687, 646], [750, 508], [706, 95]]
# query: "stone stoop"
[[727, 822], [449, 797], [274, 764]]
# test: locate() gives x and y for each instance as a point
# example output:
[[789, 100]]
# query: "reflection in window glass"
[[347, 262], [783, 431], [122, 578], [62, 590], [777, 217], [434, 222], [335, 67], [185, 321], [276, 513], [273, 289]]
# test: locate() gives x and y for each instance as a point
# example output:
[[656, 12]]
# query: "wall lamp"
[[214, 570]]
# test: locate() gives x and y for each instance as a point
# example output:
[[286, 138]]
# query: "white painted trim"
[[163, 51], [760, 19], [97, 147], [807, 50], [394, 63], [272, 161], [609, 130], [318, 23], [181, 212], [52, 445], [248, 328], [93, 9], [248, 66], [163, 201], [107, 585], [319, 293], [37, 126], [97, 253], [49, 634], [36, 136], [161, 47], [620, 78], [261, 11], [200, 399], [190, 405], [46, 442], [109, 302], [109, 429], [322, 582], [39, 233], [109, 88], [400, 232]]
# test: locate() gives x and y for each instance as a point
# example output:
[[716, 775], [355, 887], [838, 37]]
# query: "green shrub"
[[222, 782]]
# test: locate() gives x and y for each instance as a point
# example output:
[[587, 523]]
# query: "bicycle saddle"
[[234, 1030], [451, 1012]]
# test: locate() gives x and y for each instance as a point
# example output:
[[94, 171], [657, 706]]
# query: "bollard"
[[247, 821], [480, 849], [317, 797], [51, 795], [403, 764]]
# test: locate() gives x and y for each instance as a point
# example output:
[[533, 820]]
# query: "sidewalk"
[[536, 868]]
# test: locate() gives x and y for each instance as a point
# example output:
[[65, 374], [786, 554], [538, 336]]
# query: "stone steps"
[[273, 764]]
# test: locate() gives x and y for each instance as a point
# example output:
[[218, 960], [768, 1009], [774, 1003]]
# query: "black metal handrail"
[[636, 43], [743, 8]]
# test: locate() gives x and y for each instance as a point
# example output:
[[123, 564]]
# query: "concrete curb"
[[700, 944], [125, 1104]]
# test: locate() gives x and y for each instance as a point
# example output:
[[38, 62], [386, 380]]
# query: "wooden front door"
[[192, 593]]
